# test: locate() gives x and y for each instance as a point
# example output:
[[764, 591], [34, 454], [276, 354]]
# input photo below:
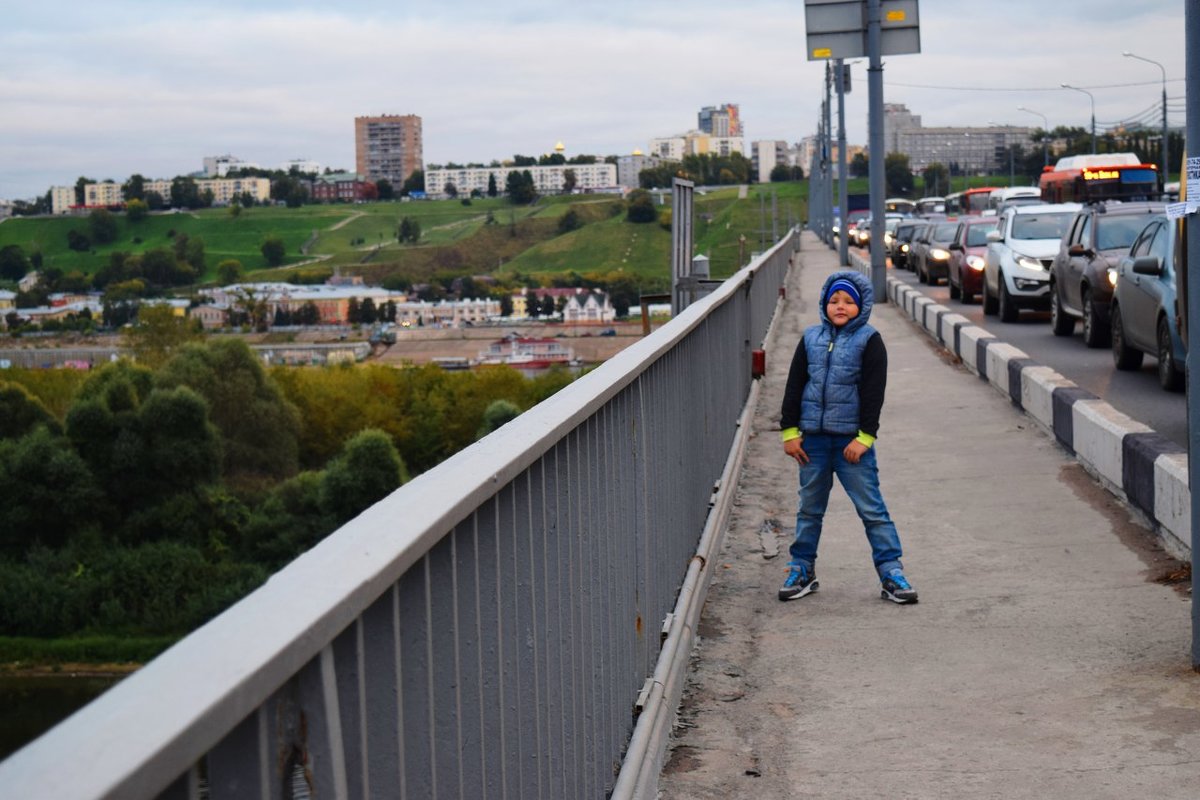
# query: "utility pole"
[[827, 194], [1192, 224], [843, 198], [875, 126]]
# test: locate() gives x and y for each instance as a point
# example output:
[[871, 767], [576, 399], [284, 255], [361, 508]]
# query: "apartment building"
[[692, 143], [723, 121], [388, 147], [546, 179], [630, 167]]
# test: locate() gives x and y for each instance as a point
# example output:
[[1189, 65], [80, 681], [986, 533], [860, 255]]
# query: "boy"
[[829, 421]]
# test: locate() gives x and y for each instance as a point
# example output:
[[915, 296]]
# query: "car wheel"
[[1095, 332], [1008, 308], [955, 292], [986, 299], [1124, 357], [1060, 322], [1170, 376]]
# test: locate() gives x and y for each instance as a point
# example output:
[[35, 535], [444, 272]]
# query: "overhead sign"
[[838, 28]]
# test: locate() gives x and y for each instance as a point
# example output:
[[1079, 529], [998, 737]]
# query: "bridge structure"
[[514, 623]]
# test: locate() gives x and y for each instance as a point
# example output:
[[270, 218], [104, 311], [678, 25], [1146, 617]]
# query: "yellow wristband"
[[865, 438], [787, 434]]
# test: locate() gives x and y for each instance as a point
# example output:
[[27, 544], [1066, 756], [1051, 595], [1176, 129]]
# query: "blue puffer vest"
[[829, 403]]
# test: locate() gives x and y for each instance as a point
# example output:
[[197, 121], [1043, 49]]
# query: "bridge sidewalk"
[[1044, 659]]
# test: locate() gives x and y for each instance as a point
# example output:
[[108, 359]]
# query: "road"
[[1134, 393]]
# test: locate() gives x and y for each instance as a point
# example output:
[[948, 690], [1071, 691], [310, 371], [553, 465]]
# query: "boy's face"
[[841, 308]]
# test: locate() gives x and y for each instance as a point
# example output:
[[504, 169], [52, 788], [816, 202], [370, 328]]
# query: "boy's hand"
[[854, 451], [795, 450]]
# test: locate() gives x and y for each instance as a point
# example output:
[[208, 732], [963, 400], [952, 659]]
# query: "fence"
[[483, 632]]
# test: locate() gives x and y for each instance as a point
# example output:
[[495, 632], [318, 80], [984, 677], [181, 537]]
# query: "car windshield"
[[1118, 233], [1040, 226], [944, 232], [977, 234], [905, 232]]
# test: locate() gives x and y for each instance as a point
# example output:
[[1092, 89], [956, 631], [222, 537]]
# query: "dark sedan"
[[934, 262], [1085, 268]]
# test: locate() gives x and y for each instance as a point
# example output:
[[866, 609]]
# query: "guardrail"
[[483, 632]]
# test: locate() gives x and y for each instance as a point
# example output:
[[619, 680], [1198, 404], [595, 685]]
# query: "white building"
[[694, 143], [62, 198], [585, 307], [220, 166], [304, 165], [766, 155], [546, 179], [630, 167]]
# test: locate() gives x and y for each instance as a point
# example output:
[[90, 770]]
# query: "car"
[[934, 258], [1085, 268], [964, 273], [917, 245], [1143, 308], [853, 220], [901, 240], [1016, 268]]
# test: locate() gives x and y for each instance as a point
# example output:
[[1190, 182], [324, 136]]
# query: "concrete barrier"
[[1129, 459]]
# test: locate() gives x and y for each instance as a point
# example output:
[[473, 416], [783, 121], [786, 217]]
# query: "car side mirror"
[[994, 236], [1148, 265], [956, 246], [1078, 249]]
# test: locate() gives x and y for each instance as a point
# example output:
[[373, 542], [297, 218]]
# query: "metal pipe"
[[1045, 128], [1166, 163], [1093, 99]]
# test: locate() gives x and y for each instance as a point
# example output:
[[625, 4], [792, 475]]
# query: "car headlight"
[[1112, 277], [975, 262], [903, 248], [938, 254], [1029, 263]]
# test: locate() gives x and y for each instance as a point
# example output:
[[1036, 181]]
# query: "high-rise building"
[[721, 121], [388, 147]]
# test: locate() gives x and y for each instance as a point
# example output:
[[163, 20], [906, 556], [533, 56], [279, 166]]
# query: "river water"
[[31, 705]]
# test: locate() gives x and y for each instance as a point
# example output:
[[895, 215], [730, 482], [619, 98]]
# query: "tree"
[[519, 187], [259, 428], [190, 250], [937, 179], [136, 210], [155, 201], [569, 221], [368, 469], [570, 181], [367, 313], [49, 493], [385, 189], [185, 193], [506, 305], [134, 188], [491, 189], [859, 165], [13, 263], [415, 182], [81, 191], [273, 250], [158, 334], [897, 174], [409, 231], [21, 412], [641, 207], [451, 190], [78, 241], [230, 271], [498, 413]]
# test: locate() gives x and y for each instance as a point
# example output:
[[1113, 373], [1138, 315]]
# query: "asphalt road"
[[1134, 393]]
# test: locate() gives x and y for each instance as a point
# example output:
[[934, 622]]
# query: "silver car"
[[1016, 271]]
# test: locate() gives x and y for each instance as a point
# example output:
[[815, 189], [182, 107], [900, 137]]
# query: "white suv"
[[1016, 272]]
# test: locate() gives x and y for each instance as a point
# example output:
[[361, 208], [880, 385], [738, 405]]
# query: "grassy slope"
[[454, 237]]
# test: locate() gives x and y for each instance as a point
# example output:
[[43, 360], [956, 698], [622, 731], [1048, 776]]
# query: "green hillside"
[[486, 235]]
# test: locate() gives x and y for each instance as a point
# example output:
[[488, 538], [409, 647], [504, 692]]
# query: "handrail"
[[289, 668]]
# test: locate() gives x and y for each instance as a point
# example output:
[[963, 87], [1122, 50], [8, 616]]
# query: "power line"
[[1024, 88]]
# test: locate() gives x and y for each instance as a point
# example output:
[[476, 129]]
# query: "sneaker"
[[798, 583], [897, 588]]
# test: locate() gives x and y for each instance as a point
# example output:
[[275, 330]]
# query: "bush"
[[273, 250]]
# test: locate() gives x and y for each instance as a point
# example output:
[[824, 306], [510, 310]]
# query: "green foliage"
[[21, 412], [136, 210], [48, 492], [158, 588], [641, 207], [519, 187], [259, 428], [103, 226], [158, 334], [273, 250], [230, 270], [13, 263], [898, 175], [496, 414], [569, 221], [368, 469]]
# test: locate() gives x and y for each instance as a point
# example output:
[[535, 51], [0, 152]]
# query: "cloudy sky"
[[152, 86]]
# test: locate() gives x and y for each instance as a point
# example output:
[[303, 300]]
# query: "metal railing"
[[482, 632]]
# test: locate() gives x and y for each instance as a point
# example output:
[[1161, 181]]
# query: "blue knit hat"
[[843, 285]]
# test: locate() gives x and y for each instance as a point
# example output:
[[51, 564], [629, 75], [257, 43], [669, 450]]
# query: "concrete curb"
[[1129, 459]]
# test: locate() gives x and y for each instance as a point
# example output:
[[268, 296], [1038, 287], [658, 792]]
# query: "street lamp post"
[[1045, 127], [1166, 163], [1093, 99]]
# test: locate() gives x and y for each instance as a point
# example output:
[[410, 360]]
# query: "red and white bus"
[[1095, 177], [970, 202]]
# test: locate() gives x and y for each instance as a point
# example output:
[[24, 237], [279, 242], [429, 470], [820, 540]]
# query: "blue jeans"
[[861, 482]]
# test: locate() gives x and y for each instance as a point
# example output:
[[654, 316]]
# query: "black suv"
[[1084, 272]]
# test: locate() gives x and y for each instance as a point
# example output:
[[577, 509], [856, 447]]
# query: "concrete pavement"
[[1046, 658]]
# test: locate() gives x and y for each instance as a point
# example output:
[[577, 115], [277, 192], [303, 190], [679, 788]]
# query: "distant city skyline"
[[107, 90]]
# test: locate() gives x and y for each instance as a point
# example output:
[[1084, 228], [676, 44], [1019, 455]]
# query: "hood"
[[1036, 248], [864, 290]]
